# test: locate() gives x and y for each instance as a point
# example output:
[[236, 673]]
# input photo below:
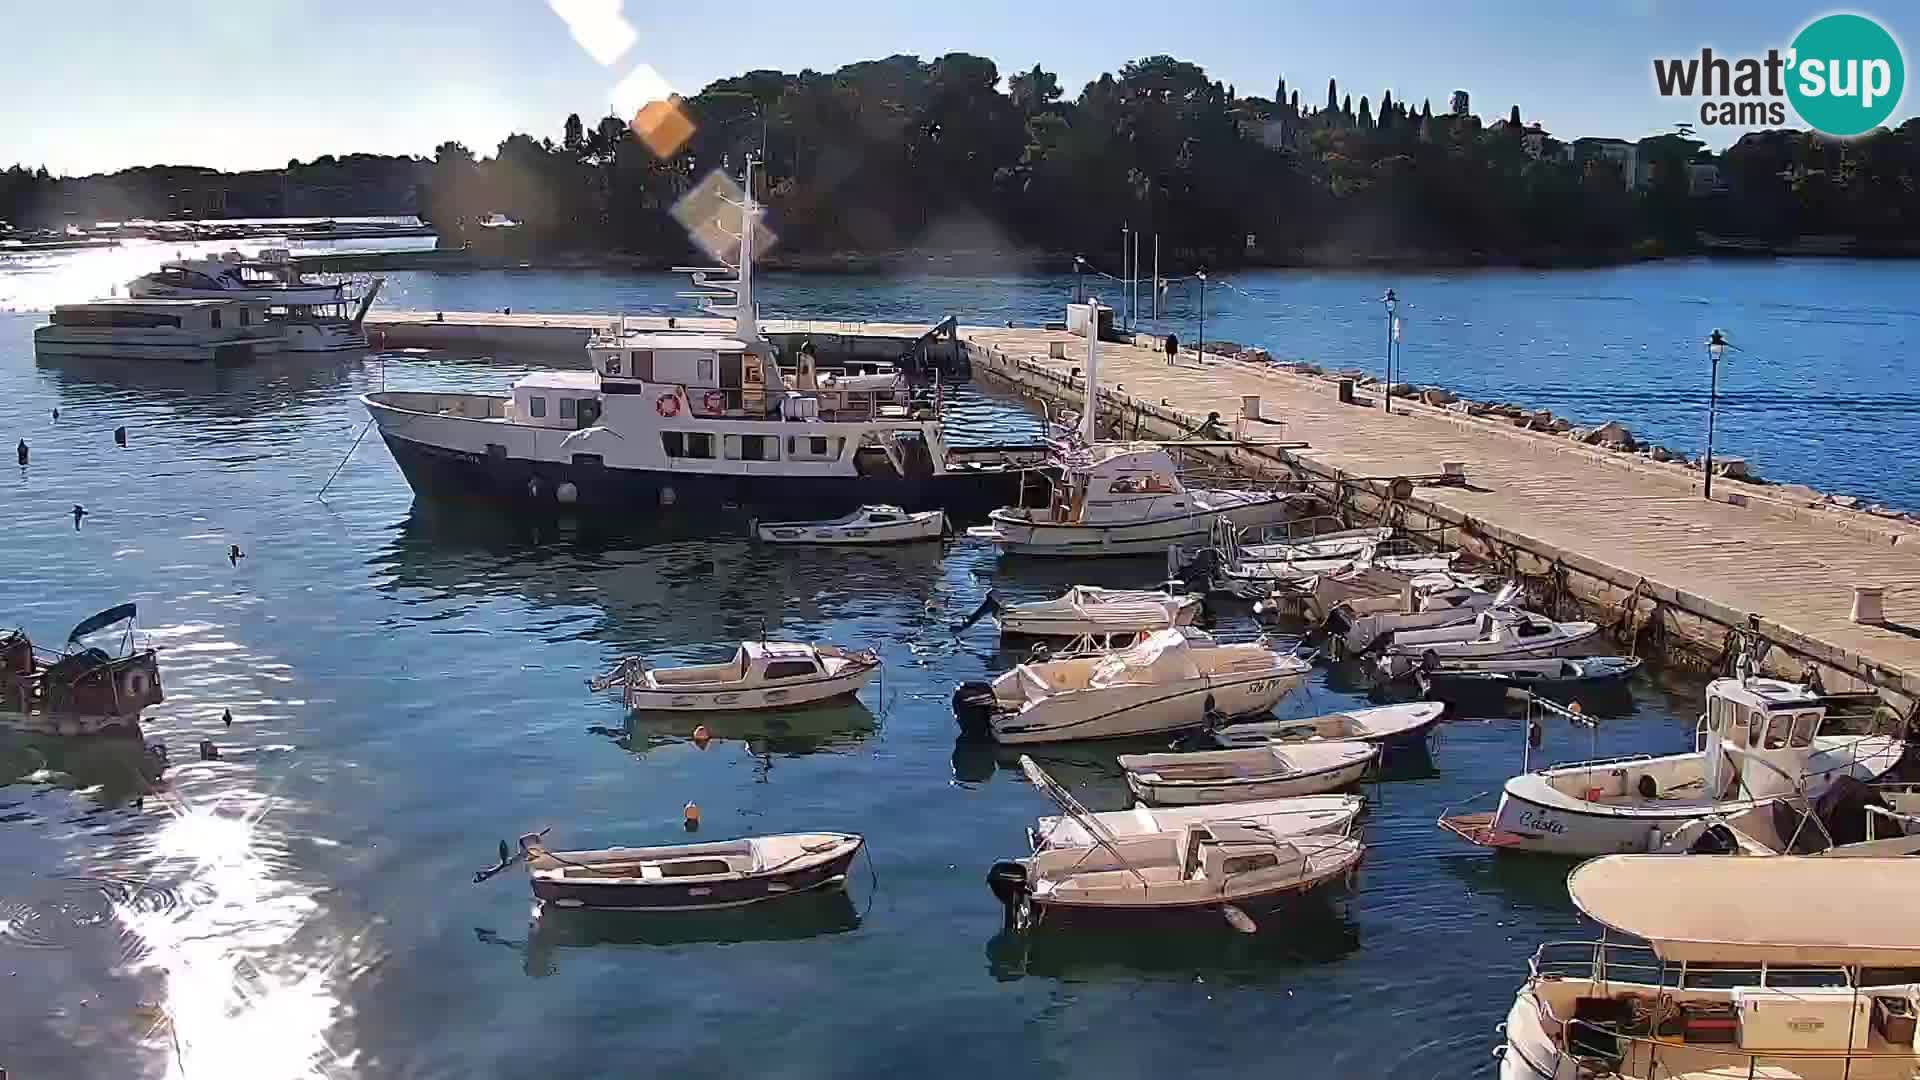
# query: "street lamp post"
[[1200, 353], [1392, 304], [1079, 290], [1716, 348]]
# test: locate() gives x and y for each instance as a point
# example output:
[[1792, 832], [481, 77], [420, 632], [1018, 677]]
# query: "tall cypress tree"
[[1366, 114], [1514, 116], [1333, 98]]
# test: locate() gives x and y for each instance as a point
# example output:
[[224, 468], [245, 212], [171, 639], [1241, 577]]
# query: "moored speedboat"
[[1486, 682], [1760, 742], [1169, 680], [684, 877], [1273, 771], [1746, 972], [1393, 727], [81, 690], [866, 525], [761, 675]]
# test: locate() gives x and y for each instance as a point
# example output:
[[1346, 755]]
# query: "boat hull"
[[741, 699], [51, 341], [445, 473], [1319, 782], [696, 896], [1136, 538], [899, 532], [1144, 710], [1399, 664]]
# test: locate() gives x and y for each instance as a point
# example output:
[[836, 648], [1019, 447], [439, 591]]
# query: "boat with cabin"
[[1497, 633], [760, 675], [1760, 741], [1302, 815], [227, 331], [83, 689], [1732, 967], [272, 276], [1169, 680], [683, 877], [1204, 870], [693, 421]]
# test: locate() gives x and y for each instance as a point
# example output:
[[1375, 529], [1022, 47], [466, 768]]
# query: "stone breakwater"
[[1612, 435]]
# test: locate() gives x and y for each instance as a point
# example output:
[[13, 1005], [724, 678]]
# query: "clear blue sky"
[[250, 83]]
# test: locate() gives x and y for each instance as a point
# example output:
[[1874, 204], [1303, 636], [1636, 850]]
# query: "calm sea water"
[[407, 687]]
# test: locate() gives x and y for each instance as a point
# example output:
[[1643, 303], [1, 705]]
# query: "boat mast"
[[745, 325], [1089, 414]]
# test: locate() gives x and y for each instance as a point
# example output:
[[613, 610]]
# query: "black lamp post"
[[1392, 304], [1716, 348], [1200, 353]]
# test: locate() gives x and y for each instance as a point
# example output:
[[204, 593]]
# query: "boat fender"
[[667, 405], [691, 817], [1008, 881], [973, 708], [567, 492]]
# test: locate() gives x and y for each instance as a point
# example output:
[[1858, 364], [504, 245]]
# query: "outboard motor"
[[1716, 839], [973, 706], [1008, 880]]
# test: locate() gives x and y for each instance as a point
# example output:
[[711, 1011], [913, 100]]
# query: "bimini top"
[[1777, 910]]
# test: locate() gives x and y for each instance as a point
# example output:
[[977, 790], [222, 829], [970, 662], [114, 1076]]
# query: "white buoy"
[[567, 493], [692, 817]]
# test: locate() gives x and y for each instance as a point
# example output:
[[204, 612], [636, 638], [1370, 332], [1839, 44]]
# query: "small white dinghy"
[[761, 675], [1393, 727], [1269, 772], [1304, 815], [1087, 609], [877, 524], [1213, 869], [1169, 680]]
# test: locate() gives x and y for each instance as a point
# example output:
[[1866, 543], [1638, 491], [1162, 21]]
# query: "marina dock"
[[1629, 541]]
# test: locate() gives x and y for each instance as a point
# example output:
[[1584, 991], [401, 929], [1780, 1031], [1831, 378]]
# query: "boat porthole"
[[566, 493], [667, 497]]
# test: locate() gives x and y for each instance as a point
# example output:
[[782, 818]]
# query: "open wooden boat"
[[1087, 609], [1269, 772], [1302, 815], [1214, 869], [874, 524], [1169, 680], [81, 690], [761, 675], [1499, 633], [1558, 677], [683, 877], [1393, 727]]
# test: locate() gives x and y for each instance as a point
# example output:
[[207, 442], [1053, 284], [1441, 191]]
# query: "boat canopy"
[[101, 621], [1780, 910], [1160, 657]]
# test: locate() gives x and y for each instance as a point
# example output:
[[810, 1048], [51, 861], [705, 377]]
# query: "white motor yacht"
[[1127, 499], [1785, 968], [1498, 633], [1759, 742], [1088, 609], [761, 675], [272, 277], [1169, 680], [1302, 815], [189, 331]]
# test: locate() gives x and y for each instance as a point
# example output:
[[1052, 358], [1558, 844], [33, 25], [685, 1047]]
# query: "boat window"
[[878, 518], [640, 364], [1240, 864], [536, 406], [759, 448], [699, 444], [1778, 728], [1756, 723], [1804, 726], [566, 408], [1533, 629], [673, 444], [589, 461], [704, 369], [215, 313], [1149, 484], [246, 317], [813, 447], [789, 669], [1716, 713]]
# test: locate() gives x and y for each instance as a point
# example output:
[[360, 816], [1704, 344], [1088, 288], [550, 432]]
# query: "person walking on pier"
[[1173, 349]]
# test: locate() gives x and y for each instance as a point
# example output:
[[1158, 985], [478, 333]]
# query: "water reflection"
[[554, 930], [829, 726], [112, 770], [1313, 932], [241, 390]]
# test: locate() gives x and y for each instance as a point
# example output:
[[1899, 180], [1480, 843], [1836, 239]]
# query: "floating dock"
[[1628, 541]]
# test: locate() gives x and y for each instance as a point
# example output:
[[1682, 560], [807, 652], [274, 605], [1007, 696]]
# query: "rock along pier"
[[1629, 542]]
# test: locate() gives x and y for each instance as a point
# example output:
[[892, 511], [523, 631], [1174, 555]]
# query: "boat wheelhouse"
[[229, 331]]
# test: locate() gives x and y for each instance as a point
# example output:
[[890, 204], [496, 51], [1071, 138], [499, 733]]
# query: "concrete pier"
[[1630, 542]]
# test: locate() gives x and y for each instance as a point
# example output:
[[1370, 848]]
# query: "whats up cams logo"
[[1843, 75]]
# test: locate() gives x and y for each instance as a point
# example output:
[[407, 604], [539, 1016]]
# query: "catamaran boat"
[[1273, 771], [1759, 742], [1169, 680], [1786, 968], [1498, 633], [868, 525], [761, 675], [1088, 609], [691, 420], [1210, 868], [1393, 727], [271, 277], [683, 877], [1127, 499], [1427, 602], [81, 690], [189, 331]]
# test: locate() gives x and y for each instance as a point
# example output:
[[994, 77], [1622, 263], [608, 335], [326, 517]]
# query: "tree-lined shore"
[[905, 155]]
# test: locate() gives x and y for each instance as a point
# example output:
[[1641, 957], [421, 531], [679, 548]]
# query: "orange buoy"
[[701, 737], [692, 817]]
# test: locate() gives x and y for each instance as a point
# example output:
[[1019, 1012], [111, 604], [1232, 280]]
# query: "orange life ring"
[[714, 401], [668, 405]]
